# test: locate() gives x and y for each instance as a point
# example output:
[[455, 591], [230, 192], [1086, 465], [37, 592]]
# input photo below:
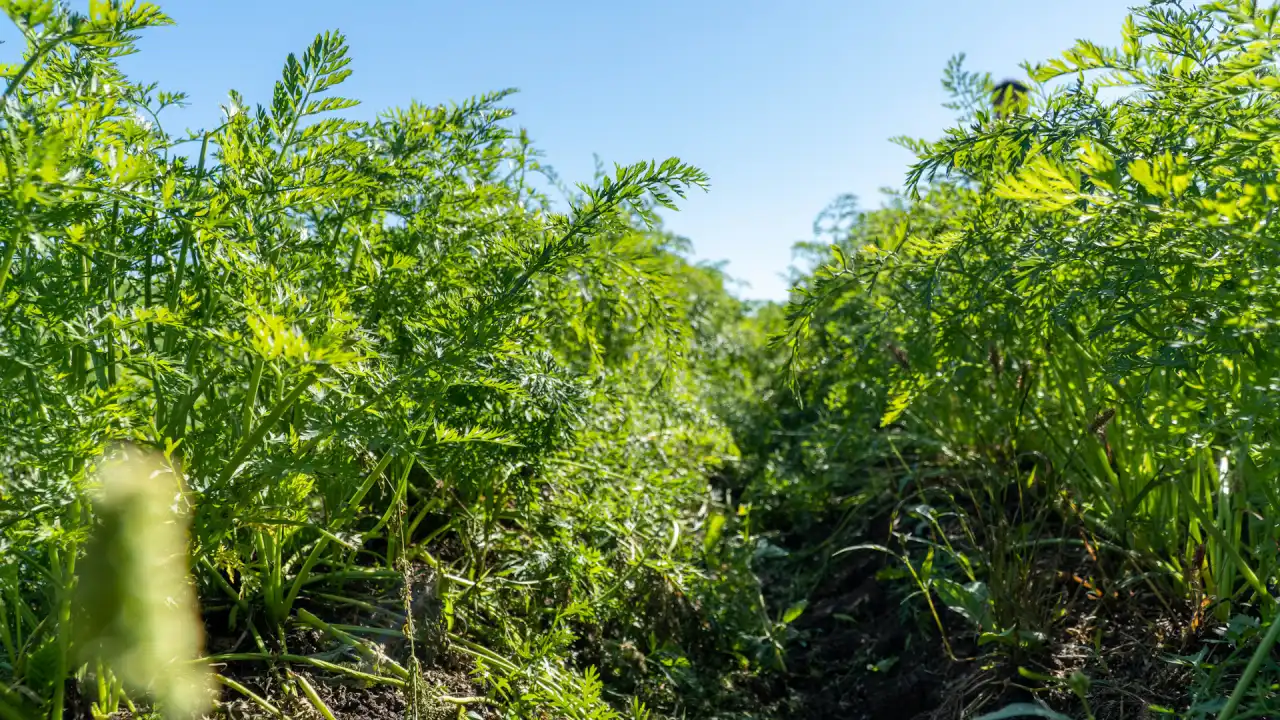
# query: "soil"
[[859, 660], [866, 650], [443, 673]]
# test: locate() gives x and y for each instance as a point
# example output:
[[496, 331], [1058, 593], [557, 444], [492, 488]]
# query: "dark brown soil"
[[868, 651], [443, 673], [861, 657]]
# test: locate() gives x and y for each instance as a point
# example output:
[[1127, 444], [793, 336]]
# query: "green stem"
[[1260, 656], [305, 660], [251, 397], [252, 439], [111, 294], [313, 697], [347, 510], [1226, 545], [188, 237], [66, 581], [361, 646], [7, 263], [256, 698], [5, 636], [103, 700]]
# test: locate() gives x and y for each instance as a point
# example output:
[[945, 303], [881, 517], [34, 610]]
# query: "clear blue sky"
[[785, 103]]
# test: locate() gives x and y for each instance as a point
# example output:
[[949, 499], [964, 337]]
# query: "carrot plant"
[[381, 359], [420, 415], [1072, 307]]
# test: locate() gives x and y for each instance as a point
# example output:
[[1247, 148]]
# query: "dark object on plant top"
[[1008, 97]]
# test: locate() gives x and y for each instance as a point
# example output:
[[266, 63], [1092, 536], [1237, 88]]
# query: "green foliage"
[[398, 381], [1066, 318], [375, 353]]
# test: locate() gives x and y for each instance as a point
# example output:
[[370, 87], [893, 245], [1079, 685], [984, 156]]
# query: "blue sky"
[[786, 104]]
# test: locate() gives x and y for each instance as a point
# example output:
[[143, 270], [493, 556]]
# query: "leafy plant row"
[[1062, 334], [377, 372]]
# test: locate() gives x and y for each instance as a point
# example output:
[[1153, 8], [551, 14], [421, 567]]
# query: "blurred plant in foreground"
[[136, 607]]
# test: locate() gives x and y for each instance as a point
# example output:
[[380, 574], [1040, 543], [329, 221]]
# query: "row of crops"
[[308, 416]]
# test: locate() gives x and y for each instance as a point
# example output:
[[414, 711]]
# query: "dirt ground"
[[868, 649]]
